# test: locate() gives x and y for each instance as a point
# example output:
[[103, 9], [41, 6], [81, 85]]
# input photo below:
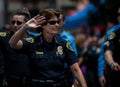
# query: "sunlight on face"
[[52, 26]]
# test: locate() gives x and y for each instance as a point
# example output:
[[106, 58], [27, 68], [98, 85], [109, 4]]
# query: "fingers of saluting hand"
[[39, 19], [36, 21]]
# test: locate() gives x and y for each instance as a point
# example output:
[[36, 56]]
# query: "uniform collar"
[[55, 38]]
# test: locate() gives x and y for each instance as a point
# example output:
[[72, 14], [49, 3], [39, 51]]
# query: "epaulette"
[[29, 39], [3, 34]]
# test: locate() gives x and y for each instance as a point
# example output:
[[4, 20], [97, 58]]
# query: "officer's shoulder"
[[64, 43], [67, 34], [3, 34], [114, 29], [113, 34], [60, 39]]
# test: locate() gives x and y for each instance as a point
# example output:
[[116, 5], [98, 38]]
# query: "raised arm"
[[35, 22]]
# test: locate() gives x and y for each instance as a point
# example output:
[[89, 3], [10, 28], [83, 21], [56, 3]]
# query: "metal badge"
[[59, 50]]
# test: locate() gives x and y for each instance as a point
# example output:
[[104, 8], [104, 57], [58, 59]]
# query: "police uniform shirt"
[[101, 59], [48, 58], [113, 43], [15, 61]]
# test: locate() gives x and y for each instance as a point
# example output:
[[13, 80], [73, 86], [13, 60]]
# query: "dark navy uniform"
[[16, 64], [48, 60], [113, 43], [1, 69]]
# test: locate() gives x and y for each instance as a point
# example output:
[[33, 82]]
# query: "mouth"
[[55, 30]]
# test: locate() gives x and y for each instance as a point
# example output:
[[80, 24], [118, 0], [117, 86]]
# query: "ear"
[[64, 22]]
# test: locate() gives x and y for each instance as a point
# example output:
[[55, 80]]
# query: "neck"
[[48, 37]]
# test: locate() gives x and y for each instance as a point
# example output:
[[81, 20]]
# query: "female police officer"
[[47, 52]]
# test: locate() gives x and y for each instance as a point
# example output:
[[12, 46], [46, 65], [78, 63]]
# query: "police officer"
[[68, 37], [64, 34], [112, 49], [101, 59], [112, 57], [48, 53], [16, 64]]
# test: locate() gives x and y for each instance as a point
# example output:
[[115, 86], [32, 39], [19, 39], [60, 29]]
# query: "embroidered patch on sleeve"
[[69, 46], [29, 39], [111, 36], [3, 34]]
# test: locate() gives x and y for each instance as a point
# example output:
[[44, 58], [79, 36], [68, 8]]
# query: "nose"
[[15, 24], [57, 24]]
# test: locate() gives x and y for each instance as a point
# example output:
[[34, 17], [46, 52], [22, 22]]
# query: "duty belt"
[[43, 81], [51, 83]]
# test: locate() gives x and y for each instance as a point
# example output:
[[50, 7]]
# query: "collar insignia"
[[37, 52]]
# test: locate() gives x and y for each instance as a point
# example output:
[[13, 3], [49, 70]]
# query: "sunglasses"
[[17, 22], [53, 22]]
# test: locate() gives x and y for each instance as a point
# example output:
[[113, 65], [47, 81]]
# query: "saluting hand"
[[35, 22]]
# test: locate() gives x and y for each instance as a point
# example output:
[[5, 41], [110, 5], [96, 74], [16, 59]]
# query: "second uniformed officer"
[[16, 63], [112, 57]]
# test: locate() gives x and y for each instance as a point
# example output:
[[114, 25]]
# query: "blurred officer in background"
[[48, 53], [16, 63], [68, 37], [112, 52], [103, 79], [64, 34]]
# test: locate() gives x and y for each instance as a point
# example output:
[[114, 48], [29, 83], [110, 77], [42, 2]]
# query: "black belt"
[[51, 83], [43, 81]]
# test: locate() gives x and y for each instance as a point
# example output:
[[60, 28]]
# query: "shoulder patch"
[[3, 34], [69, 46], [111, 36], [29, 39]]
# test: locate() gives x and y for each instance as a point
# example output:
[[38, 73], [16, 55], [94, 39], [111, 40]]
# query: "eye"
[[17, 22], [53, 22]]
